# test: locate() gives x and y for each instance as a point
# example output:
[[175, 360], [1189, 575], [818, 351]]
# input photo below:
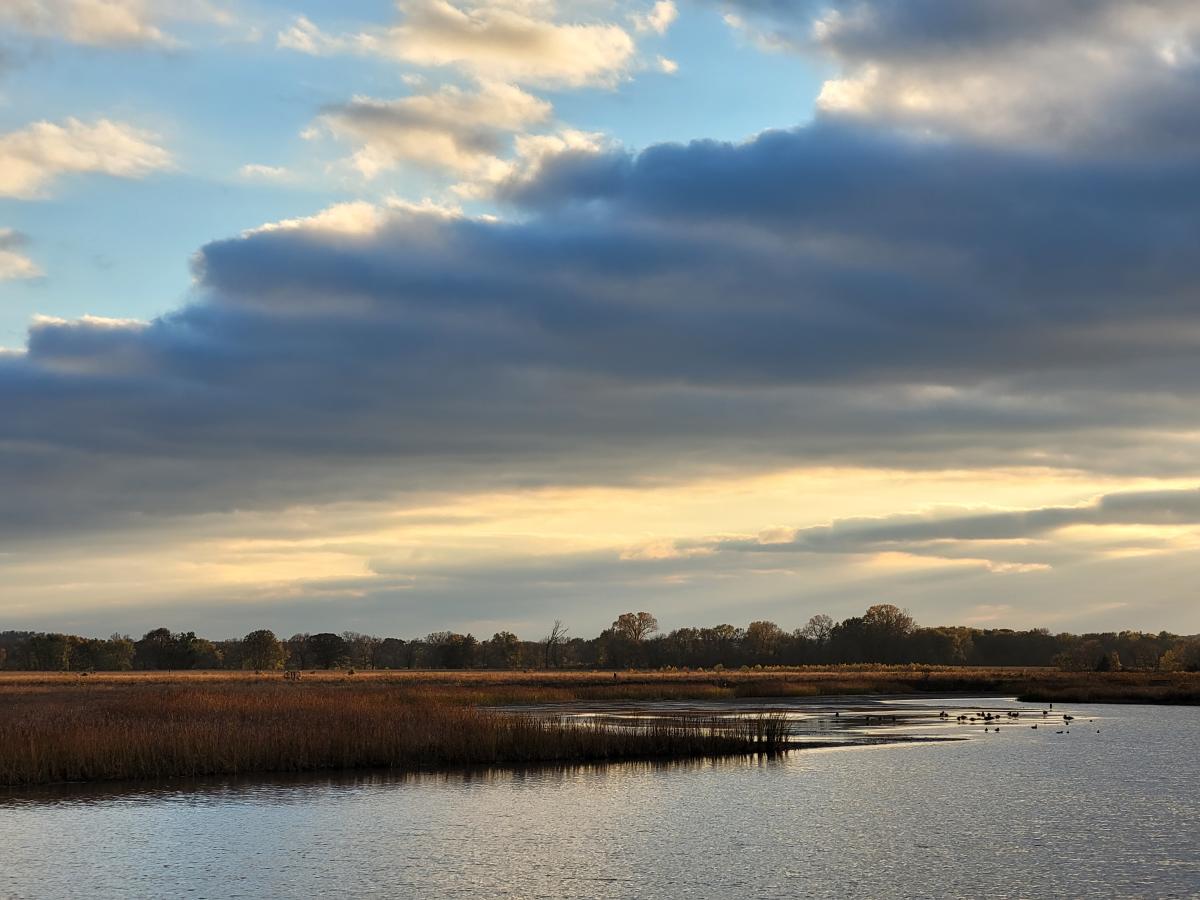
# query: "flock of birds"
[[988, 718]]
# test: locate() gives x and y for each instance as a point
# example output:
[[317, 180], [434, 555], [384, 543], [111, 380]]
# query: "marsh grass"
[[157, 730], [71, 727]]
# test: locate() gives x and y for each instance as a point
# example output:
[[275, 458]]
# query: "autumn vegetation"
[[154, 724], [55, 729], [174, 704], [884, 634]]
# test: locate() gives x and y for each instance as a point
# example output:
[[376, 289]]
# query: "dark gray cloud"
[[926, 534], [826, 294], [913, 29]]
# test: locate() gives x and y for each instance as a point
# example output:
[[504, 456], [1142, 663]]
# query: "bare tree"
[[554, 642], [818, 630]]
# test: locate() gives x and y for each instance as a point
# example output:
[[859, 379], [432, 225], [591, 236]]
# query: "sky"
[[421, 315]]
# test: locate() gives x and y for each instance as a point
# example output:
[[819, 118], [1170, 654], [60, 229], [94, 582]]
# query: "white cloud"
[[32, 158], [14, 264], [451, 129], [361, 218], [496, 41], [255, 171], [305, 37], [358, 218], [109, 23], [104, 323], [667, 66], [659, 18]]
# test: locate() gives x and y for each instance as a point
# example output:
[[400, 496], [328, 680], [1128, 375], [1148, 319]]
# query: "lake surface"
[[1021, 813]]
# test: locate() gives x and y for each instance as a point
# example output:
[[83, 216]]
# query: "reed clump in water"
[[131, 730]]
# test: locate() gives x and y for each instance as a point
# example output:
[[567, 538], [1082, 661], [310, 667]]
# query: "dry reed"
[[89, 732]]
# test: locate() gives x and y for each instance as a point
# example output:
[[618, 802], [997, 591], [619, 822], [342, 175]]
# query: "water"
[[1021, 813]]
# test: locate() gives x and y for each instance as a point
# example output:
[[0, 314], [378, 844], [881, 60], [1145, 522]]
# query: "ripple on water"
[[1020, 813]]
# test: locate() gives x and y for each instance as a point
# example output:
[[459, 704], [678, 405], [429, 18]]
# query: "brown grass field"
[[58, 727]]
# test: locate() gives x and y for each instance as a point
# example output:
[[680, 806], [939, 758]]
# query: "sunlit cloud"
[[658, 18], [499, 41], [111, 23], [34, 157], [450, 129]]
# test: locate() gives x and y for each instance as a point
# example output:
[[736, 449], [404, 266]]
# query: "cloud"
[[13, 263], [1016, 538], [260, 172], [304, 36], [814, 296], [658, 19], [923, 280], [667, 66], [32, 158], [503, 42], [857, 292], [451, 129], [1079, 77], [109, 23]]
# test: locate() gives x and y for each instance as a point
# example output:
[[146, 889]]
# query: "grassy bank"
[[189, 727]]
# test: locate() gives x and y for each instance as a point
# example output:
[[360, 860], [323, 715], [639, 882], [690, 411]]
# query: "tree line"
[[883, 634]]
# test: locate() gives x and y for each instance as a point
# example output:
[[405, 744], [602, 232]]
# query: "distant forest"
[[884, 634]]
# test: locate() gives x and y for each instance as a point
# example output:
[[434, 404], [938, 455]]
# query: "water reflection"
[[1018, 813]]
